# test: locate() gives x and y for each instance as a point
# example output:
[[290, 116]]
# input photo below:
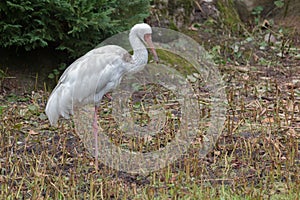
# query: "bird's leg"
[[108, 95], [95, 129]]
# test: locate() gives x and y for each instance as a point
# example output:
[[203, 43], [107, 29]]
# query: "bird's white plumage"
[[99, 71]]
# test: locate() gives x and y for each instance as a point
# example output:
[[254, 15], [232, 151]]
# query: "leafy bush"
[[72, 25]]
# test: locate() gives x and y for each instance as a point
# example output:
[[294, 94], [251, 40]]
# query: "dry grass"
[[257, 155]]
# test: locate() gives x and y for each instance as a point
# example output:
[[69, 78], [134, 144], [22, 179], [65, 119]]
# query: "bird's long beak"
[[148, 40]]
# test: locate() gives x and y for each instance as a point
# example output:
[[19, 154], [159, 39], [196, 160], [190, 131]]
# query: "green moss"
[[173, 26], [176, 62], [229, 18]]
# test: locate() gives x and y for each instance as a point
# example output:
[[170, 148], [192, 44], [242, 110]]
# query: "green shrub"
[[72, 25]]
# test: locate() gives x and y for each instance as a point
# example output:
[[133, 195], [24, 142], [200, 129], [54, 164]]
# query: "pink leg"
[[95, 127], [108, 96]]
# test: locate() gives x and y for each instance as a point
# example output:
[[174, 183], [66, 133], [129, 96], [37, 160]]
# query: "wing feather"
[[86, 81]]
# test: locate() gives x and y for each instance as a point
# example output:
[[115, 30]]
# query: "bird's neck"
[[140, 53]]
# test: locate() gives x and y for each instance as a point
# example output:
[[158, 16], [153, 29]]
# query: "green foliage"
[[229, 18], [75, 26], [257, 10], [2, 74], [56, 72], [279, 3], [257, 13]]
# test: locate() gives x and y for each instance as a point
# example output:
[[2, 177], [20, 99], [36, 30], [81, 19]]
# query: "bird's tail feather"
[[59, 104]]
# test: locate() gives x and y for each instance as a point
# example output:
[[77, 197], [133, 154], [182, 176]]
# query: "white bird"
[[96, 73]]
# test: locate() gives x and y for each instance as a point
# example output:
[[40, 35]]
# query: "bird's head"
[[144, 33]]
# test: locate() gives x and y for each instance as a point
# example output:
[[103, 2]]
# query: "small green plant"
[[257, 13], [56, 72], [3, 75], [279, 3], [1, 109], [216, 53]]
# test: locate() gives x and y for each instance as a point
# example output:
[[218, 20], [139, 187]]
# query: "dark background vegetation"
[[71, 26], [38, 36]]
